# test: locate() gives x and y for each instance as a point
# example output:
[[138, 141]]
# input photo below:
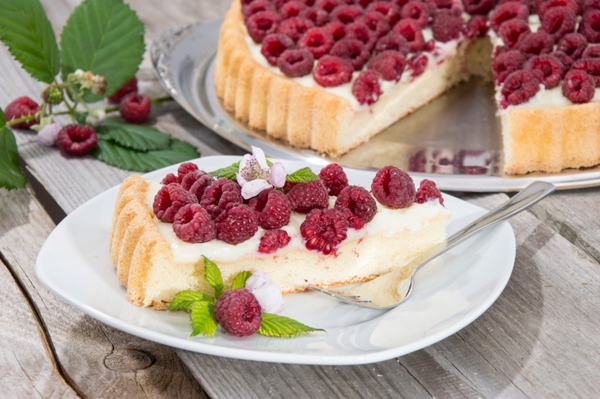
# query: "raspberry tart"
[[330, 74], [295, 230]]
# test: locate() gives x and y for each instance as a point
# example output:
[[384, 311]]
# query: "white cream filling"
[[387, 222]]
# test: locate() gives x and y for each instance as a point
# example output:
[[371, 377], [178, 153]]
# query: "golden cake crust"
[[146, 266]]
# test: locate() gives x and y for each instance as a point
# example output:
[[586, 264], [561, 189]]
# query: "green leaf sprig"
[[202, 306], [101, 48], [301, 175]]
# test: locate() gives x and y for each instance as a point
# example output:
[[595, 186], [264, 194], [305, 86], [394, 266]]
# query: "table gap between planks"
[[540, 339]]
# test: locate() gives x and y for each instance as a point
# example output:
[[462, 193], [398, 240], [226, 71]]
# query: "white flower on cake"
[[255, 175], [268, 294]]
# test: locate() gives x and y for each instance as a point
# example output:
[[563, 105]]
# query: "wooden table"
[[540, 339]]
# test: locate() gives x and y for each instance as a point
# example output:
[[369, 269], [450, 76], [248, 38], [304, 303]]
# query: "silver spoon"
[[391, 289]]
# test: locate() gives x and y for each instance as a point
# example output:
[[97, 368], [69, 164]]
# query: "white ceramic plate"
[[449, 294]]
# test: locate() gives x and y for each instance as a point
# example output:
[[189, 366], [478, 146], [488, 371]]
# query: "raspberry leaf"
[[126, 158], [137, 137], [202, 318], [11, 175], [105, 37], [240, 280], [301, 176], [213, 277], [184, 300], [273, 325], [26, 31], [228, 172]]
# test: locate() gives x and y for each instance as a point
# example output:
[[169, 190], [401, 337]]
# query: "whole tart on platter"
[[541, 55]]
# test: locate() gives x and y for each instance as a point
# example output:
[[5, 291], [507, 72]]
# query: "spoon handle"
[[523, 200]]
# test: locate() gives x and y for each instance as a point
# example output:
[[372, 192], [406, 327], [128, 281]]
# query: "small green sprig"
[[301, 175], [101, 48], [201, 308]]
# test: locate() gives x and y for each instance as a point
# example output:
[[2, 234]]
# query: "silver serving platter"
[[454, 140]]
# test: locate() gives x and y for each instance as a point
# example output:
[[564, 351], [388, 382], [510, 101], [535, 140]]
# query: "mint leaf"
[[137, 137], [202, 318], [213, 276], [301, 176], [228, 172], [26, 31], [128, 159], [183, 300], [104, 37], [280, 326], [11, 175], [240, 280]]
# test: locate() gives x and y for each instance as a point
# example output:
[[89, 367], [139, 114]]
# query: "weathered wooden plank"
[[99, 360]]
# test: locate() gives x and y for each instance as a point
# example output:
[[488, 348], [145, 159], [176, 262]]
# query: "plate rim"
[[41, 269]]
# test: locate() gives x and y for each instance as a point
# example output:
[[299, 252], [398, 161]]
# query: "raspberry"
[[416, 10], [359, 202], [197, 182], [236, 224], [274, 45], [558, 21], [590, 25], [135, 108], [272, 207], [296, 63], [477, 26], [193, 224], [20, 107], [578, 86], [376, 23], [564, 58], [513, 31], [328, 5], [393, 187], [390, 64], [478, 7], [536, 43], [169, 200], [366, 87], [261, 24], [333, 71], [519, 87], [548, 4], [393, 41], [591, 66], [446, 26], [390, 11], [170, 178], [77, 139], [255, 7], [507, 11], [346, 14], [336, 29], [292, 9], [295, 27], [309, 195], [316, 16], [353, 50], [316, 40], [547, 69], [334, 178], [129, 87], [272, 240], [417, 64], [573, 45], [220, 195], [184, 169], [410, 29], [238, 312], [324, 229], [359, 31], [428, 191], [454, 7], [591, 52]]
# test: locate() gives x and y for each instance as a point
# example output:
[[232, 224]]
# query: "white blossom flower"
[[268, 294], [47, 135], [255, 175]]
